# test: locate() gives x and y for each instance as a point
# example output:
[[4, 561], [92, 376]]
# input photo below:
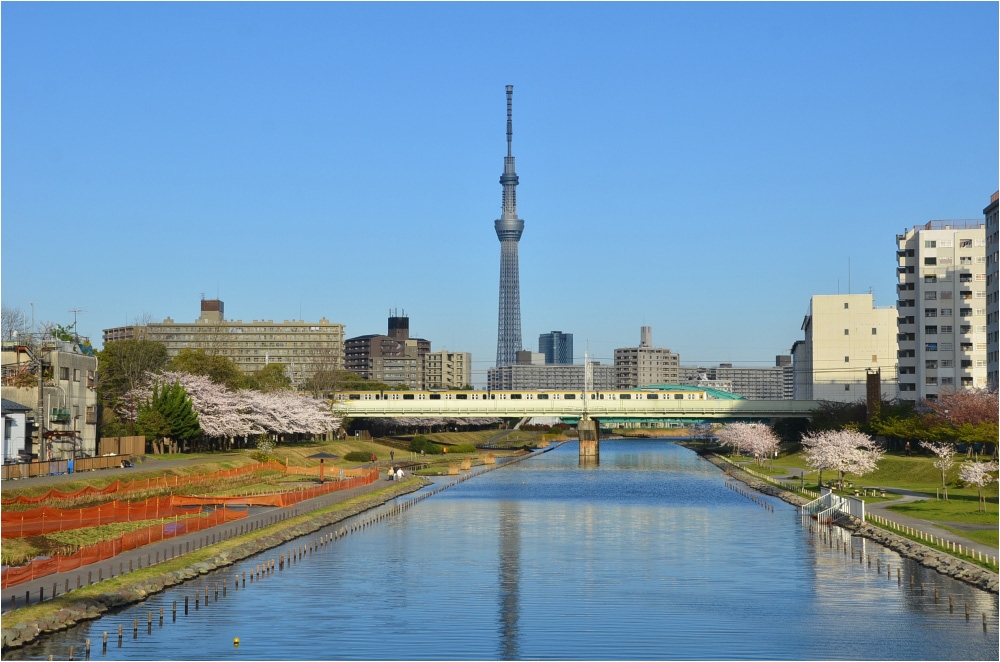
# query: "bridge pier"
[[588, 432]]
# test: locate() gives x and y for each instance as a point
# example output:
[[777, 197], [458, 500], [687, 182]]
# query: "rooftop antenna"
[[75, 311]]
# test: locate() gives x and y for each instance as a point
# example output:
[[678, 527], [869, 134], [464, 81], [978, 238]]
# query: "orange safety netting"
[[111, 548], [329, 471], [280, 499], [39, 521], [118, 487]]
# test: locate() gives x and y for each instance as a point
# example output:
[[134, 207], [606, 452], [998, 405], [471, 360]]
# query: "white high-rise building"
[[846, 337], [992, 294], [646, 365], [942, 308]]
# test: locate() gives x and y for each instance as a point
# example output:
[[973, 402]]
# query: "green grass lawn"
[[960, 507], [983, 536]]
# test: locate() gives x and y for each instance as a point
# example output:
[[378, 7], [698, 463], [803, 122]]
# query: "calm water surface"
[[647, 556]]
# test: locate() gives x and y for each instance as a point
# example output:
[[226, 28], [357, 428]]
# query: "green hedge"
[[420, 443], [462, 448], [358, 456]]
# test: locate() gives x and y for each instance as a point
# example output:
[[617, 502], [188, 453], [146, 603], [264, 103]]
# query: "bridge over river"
[[597, 407]]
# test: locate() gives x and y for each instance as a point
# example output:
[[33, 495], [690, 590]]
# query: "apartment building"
[[752, 382], [846, 336], [304, 348], [992, 296], [69, 396], [444, 369], [646, 365], [394, 359], [942, 307], [529, 376]]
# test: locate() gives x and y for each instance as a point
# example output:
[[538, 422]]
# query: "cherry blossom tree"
[[945, 453], [844, 451], [979, 474], [756, 439]]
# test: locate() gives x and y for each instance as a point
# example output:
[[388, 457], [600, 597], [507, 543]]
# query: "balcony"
[[59, 416]]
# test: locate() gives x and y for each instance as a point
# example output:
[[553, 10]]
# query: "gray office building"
[[557, 347]]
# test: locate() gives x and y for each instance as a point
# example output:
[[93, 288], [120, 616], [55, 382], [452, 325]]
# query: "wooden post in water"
[[119, 635], [104, 643]]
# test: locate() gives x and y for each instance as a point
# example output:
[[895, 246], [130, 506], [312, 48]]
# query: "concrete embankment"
[[946, 564], [24, 626]]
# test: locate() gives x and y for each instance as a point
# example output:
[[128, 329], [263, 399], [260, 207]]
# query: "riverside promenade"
[[45, 588]]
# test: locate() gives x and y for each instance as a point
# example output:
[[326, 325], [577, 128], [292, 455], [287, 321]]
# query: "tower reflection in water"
[[510, 578]]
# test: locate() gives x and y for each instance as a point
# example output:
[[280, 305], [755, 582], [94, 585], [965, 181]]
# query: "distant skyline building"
[[555, 377], [394, 359], [646, 365], [752, 382], [509, 228], [557, 347]]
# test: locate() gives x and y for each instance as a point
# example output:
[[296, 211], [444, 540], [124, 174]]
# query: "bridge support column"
[[588, 432]]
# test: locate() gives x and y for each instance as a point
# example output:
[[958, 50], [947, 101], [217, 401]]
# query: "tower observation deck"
[[509, 228]]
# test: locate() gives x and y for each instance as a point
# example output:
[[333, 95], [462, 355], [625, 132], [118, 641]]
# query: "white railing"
[[830, 506]]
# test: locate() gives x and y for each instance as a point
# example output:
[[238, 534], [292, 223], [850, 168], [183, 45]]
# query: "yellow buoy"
[[236, 641]]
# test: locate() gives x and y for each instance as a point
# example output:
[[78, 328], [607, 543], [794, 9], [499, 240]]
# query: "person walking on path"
[[392, 455], [374, 459]]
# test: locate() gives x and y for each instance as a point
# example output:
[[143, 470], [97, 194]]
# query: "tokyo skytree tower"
[[509, 228]]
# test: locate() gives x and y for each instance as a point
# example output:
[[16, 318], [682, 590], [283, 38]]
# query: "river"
[[649, 555]]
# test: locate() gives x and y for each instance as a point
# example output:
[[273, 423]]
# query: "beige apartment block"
[[444, 369], [646, 365], [846, 336], [304, 348], [942, 308]]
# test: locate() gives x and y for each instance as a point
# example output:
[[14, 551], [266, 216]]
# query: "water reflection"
[[510, 578]]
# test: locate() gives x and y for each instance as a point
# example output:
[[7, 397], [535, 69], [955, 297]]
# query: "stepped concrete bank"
[[946, 564], [20, 631]]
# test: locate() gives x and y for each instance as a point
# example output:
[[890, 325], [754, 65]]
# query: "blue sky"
[[702, 168]]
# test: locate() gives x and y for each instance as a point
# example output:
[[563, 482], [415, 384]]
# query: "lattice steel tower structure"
[[509, 228]]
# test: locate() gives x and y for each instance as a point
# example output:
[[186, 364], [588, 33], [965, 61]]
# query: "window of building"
[[946, 312], [76, 374], [966, 382], [930, 312], [965, 328], [947, 346], [874, 331], [847, 387], [966, 363], [947, 381], [930, 295], [930, 330], [930, 347], [947, 363], [907, 387], [965, 259], [932, 381], [930, 278], [847, 332], [64, 374], [930, 244], [845, 305], [945, 328], [965, 312], [946, 295], [847, 359], [965, 243], [930, 261], [930, 365]]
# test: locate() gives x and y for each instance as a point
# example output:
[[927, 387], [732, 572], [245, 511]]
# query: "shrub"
[[462, 448], [420, 443], [358, 456]]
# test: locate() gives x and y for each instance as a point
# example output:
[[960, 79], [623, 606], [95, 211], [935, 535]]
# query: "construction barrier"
[[280, 499], [329, 471], [118, 487], [40, 521], [111, 548]]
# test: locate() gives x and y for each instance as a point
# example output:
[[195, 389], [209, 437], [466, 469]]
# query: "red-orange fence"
[[280, 499], [39, 521], [119, 487], [108, 549]]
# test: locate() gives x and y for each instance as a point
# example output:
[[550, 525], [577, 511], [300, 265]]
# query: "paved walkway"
[[62, 582]]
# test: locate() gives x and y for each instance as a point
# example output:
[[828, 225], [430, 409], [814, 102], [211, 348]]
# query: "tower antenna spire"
[[509, 228]]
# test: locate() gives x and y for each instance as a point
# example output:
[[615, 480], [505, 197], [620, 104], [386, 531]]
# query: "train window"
[[678, 396], [625, 396], [407, 396], [461, 396], [493, 396], [515, 396], [355, 396], [593, 396], [652, 396], [435, 396], [569, 396], [543, 396]]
